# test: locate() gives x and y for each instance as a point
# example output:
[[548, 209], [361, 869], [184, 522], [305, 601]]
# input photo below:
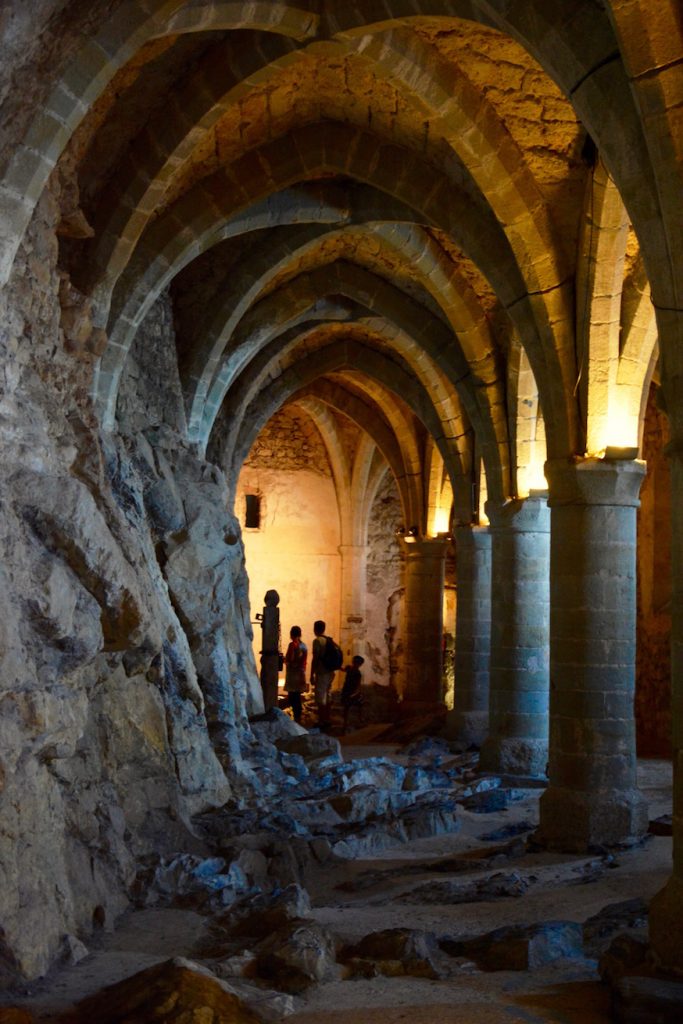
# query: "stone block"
[[265, 913], [297, 956], [393, 952], [311, 746], [574, 821], [519, 948], [175, 991], [598, 929]]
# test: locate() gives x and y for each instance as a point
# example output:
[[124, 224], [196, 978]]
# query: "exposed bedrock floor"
[[453, 886]]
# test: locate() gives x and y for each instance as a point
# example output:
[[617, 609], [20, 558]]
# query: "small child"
[[351, 690]]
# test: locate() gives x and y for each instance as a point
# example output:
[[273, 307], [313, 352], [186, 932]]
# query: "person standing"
[[321, 676], [295, 671]]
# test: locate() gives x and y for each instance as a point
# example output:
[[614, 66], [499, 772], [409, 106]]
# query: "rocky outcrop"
[[175, 991], [126, 672]]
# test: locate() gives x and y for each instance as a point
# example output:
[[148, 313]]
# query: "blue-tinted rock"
[[520, 948], [493, 800]]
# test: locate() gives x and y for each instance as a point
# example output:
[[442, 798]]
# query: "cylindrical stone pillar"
[[592, 799], [354, 559], [517, 740], [666, 908], [469, 719], [270, 649], [423, 629]]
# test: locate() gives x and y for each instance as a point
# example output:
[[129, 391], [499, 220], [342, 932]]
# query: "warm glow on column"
[[483, 496], [441, 518], [535, 476], [621, 428], [441, 521]]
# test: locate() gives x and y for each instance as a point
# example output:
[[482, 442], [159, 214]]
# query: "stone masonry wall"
[[384, 587]]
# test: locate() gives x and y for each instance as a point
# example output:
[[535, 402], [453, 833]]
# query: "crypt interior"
[[378, 303]]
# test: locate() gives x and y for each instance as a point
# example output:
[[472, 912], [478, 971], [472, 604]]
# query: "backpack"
[[333, 656]]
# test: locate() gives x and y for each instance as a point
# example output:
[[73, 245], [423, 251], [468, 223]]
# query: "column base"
[[514, 756], [421, 708], [468, 727], [666, 925], [574, 822]]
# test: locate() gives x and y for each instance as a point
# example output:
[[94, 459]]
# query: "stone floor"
[[354, 898]]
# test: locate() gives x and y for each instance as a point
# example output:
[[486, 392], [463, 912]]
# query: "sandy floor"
[[568, 991]]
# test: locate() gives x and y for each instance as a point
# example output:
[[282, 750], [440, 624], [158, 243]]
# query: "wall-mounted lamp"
[[400, 531], [411, 535]]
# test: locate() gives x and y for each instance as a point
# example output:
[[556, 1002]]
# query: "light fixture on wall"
[[411, 535], [400, 531]]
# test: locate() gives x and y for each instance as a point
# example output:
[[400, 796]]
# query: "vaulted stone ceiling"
[[426, 183], [456, 223]]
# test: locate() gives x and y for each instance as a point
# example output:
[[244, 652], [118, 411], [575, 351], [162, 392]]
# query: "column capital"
[[523, 515], [466, 531], [588, 481], [426, 547]]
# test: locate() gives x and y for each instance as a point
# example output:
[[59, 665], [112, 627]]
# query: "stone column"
[[469, 719], [592, 798], [666, 908], [518, 699], [354, 559], [423, 630]]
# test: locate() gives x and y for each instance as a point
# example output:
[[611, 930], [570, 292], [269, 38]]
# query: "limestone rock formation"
[[393, 952], [108, 667], [175, 991], [297, 955]]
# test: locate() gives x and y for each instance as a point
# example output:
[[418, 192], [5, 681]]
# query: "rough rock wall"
[[122, 629], [197, 542], [653, 656], [150, 395], [384, 587]]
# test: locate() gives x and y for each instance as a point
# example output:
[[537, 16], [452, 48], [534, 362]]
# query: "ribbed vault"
[[447, 233], [284, 166]]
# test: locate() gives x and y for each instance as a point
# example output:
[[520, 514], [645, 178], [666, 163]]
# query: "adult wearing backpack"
[[295, 671], [322, 671]]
